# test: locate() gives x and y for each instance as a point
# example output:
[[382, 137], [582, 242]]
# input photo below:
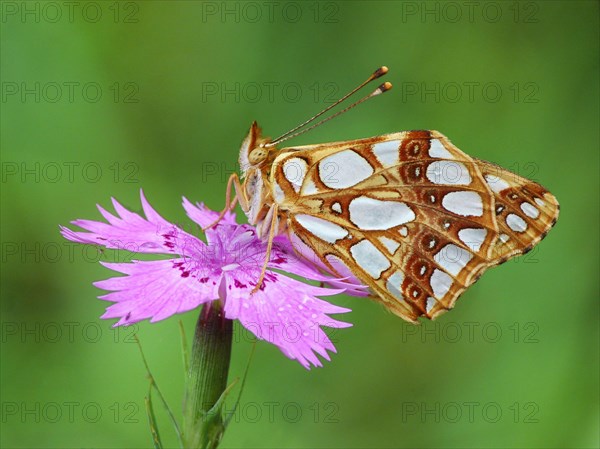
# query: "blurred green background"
[[100, 99]]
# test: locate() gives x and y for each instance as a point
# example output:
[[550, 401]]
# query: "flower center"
[[230, 267]]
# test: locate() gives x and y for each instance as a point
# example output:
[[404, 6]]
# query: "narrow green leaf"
[[152, 420], [230, 415], [184, 350], [212, 424], [160, 395], [220, 402]]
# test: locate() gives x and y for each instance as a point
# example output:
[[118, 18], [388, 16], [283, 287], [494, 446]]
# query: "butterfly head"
[[254, 151], [254, 157]]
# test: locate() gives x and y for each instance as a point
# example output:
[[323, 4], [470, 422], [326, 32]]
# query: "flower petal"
[[285, 312], [133, 233], [204, 216], [156, 289]]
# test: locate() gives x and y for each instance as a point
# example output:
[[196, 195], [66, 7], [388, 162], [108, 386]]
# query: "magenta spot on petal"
[[238, 284], [168, 237], [185, 274], [279, 260], [204, 280]]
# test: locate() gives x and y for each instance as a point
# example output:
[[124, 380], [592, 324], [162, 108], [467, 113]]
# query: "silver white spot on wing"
[[430, 303], [371, 214], [403, 231], [336, 207], [453, 258], [369, 258], [465, 203], [448, 173], [390, 244], [530, 210], [516, 223], [394, 284], [496, 183], [473, 237], [309, 188], [539, 202], [294, 170], [437, 150], [323, 229], [504, 238], [440, 283], [344, 169], [386, 152]]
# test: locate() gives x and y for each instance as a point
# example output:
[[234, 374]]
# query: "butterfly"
[[409, 214]]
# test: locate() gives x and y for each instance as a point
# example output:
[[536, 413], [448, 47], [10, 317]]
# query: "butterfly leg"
[[273, 212], [234, 181]]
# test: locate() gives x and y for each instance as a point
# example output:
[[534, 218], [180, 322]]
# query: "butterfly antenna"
[[381, 89], [376, 74]]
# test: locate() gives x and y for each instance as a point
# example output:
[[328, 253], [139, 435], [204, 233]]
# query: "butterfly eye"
[[257, 155]]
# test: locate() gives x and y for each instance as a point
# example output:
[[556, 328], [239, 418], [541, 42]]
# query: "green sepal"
[[206, 385]]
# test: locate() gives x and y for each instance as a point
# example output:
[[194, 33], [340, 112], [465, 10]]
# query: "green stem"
[[207, 378]]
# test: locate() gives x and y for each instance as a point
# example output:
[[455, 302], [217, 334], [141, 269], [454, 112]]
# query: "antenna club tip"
[[382, 88], [380, 71]]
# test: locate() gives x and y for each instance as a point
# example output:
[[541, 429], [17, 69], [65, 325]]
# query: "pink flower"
[[284, 311]]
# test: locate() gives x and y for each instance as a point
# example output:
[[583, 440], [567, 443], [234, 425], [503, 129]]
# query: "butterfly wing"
[[409, 214]]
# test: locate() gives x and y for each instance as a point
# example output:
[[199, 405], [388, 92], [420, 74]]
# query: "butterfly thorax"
[[256, 159]]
